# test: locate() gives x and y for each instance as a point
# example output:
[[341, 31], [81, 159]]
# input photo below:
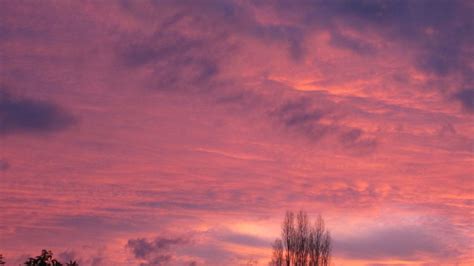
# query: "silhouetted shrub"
[[46, 259]]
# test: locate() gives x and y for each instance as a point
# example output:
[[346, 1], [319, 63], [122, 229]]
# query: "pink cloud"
[[167, 118]]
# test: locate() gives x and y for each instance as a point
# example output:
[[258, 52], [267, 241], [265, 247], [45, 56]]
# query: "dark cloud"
[[310, 115], [356, 141], [291, 36], [359, 46], [227, 18], [299, 115], [90, 224], [157, 251], [4, 165], [295, 112], [23, 115], [439, 33], [466, 98], [315, 119], [163, 46], [406, 243], [178, 62], [8, 32], [441, 30], [158, 261]]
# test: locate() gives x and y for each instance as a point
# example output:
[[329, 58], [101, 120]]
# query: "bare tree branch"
[[301, 243]]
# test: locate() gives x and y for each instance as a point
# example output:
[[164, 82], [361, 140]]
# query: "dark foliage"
[[46, 259]]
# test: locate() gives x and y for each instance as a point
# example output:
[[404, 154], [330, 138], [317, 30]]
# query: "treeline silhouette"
[[302, 243], [45, 259]]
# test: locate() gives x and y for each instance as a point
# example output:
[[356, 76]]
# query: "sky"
[[179, 132]]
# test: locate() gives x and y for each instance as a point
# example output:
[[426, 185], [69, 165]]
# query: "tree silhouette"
[[46, 259], [277, 257], [301, 243], [2, 262]]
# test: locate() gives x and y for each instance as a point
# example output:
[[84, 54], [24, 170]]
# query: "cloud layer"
[[178, 133]]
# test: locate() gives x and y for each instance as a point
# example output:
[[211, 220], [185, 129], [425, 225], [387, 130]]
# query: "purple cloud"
[[23, 115], [407, 243], [156, 251]]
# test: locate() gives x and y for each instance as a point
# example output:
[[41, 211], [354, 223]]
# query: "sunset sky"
[[179, 132]]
